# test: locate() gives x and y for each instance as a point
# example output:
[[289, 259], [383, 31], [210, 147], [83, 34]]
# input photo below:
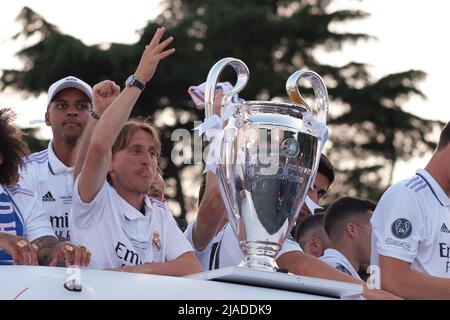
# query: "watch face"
[[129, 80], [132, 81]]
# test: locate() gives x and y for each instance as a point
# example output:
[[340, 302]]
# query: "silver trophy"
[[267, 158]]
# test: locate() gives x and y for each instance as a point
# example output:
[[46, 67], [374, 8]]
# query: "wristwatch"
[[133, 81], [94, 115]]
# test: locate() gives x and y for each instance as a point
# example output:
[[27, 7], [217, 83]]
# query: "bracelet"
[[94, 115]]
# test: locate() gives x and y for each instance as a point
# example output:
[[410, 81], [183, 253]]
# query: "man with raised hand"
[[125, 229]]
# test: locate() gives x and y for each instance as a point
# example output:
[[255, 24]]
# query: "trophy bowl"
[[267, 156]]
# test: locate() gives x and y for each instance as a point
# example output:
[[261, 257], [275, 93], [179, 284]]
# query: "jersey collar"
[[335, 253], [55, 165], [132, 214], [435, 187]]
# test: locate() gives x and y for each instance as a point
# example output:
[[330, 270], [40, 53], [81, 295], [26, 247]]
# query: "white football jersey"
[[340, 262], [224, 250], [52, 182], [21, 214], [412, 223], [119, 235]]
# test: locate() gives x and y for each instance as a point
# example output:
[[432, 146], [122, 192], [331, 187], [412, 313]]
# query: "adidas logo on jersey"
[[444, 228], [48, 197]]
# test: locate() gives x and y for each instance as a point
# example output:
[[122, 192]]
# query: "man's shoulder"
[[20, 191], [290, 243], [403, 200], [331, 254], [37, 158], [407, 189], [160, 208]]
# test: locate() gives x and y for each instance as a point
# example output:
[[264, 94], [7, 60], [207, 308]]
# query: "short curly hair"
[[12, 148]]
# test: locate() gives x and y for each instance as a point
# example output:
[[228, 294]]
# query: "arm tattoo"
[[45, 244]]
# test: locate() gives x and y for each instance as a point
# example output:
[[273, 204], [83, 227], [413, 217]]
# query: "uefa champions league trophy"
[[266, 158]]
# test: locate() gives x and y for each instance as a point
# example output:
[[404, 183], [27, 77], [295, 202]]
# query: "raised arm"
[[211, 211], [98, 157], [211, 214], [104, 94]]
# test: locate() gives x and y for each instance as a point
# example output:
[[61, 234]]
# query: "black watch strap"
[[133, 81], [94, 115]]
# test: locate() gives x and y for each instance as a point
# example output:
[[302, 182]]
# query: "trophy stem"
[[260, 255]]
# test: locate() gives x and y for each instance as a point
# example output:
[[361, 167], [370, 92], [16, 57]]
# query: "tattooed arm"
[[50, 252], [45, 245]]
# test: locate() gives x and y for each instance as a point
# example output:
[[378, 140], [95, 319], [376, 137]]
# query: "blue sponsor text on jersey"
[[10, 222]]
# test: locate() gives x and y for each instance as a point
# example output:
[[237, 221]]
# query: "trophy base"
[[259, 263], [282, 281], [260, 255]]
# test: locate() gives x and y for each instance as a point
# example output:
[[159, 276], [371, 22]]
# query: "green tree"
[[34, 143], [369, 130]]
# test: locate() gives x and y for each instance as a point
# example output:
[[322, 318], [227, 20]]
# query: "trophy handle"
[[210, 92], [320, 91], [211, 82]]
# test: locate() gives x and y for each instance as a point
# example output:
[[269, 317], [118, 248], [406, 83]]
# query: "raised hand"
[[153, 53], [104, 93]]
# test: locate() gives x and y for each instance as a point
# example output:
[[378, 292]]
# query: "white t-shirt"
[[21, 214], [224, 250], [52, 182], [340, 262], [119, 235], [412, 223]]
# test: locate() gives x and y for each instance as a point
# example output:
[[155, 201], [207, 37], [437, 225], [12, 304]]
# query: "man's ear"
[[309, 244], [47, 119], [111, 166], [351, 230], [314, 246]]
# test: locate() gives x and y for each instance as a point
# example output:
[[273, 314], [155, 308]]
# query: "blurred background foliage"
[[370, 131]]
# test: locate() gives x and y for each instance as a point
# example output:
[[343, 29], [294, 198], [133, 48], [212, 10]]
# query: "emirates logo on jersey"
[[156, 242]]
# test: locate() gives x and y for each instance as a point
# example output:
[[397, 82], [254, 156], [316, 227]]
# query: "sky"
[[411, 34]]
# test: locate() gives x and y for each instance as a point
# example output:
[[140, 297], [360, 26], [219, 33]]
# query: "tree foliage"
[[370, 131]]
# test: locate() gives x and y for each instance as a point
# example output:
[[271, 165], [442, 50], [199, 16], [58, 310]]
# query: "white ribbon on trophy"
[[213, 126]]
